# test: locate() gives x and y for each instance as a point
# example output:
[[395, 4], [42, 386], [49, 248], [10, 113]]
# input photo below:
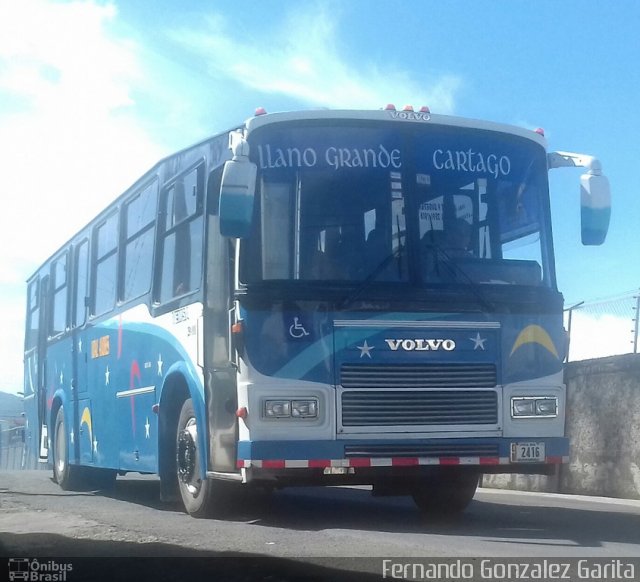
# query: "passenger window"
[[183, 199], [82, 282], [33, 315], [138, 260], [181, 263], [58, 322], [106, 265]]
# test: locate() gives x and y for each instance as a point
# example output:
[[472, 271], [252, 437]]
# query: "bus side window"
[[82, 282], [140, 216], [59, 304], [33, 315], [181, 262], [106, 263]]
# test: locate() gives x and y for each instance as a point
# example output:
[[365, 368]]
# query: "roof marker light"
[[425, 109], [540, 131], [390, 107], [407, 108], [260, 111]]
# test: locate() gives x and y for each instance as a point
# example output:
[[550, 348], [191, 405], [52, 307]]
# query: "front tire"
[[64, 474], [446, 494], [200, 497]]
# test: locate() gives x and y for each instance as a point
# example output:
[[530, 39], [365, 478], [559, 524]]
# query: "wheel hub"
[[187, 454]]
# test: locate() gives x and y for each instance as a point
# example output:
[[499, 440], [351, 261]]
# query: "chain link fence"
[[602, 328]]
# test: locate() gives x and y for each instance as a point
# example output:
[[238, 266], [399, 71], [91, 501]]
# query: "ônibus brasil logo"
[[28, 570]]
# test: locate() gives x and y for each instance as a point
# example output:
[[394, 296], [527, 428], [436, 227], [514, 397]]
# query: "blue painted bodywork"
[[522, 347], [112, 415], [315, 357]]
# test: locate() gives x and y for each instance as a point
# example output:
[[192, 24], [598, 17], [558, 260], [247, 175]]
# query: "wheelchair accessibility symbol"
[[297, 330]]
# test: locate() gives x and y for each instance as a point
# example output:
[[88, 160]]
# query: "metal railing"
[[12, 448], [604, 327]]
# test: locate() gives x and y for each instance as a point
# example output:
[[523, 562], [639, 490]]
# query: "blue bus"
[[313, 298]]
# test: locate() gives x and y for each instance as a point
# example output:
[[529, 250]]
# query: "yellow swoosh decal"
[[534, 334], [86, 419]]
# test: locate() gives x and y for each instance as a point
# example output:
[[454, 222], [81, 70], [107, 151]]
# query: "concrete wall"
[[603, 425]]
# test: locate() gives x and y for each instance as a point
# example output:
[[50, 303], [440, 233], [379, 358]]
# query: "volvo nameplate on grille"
[[421, 345]]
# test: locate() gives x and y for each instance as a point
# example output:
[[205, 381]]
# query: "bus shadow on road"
[[344, 508], [141, 491], [327, 508]]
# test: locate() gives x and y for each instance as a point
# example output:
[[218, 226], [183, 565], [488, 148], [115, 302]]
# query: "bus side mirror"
[[237, 191], [595, 195], [595, 207]]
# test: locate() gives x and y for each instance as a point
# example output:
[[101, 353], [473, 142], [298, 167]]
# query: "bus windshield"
[[422, 205]]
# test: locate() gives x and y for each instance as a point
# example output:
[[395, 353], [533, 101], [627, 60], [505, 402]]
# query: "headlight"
[[547, 406], [523, 407], [307, 408], [534, 407], [277, 408], [304, 408]]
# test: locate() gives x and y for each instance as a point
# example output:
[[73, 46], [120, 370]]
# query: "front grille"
[[418, 394], [417, 376], [447, 449], [424, 407]]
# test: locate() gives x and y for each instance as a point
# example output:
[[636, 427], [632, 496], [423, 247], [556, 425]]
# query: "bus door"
[[41, 369], [81, 344], [82, 413]]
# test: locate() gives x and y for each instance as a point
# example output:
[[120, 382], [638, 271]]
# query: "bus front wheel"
[[198, 495]]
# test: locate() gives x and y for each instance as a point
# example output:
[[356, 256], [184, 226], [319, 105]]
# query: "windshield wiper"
[[454, 270], [371, 277]]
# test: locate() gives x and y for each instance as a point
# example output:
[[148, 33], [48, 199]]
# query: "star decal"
[[365, 349], [147, 426], [95, 445], [160, 362], [478, 342], [106, 377]]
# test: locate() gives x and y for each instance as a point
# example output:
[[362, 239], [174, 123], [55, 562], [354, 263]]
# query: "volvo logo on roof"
[[410, 115], [421, 345]]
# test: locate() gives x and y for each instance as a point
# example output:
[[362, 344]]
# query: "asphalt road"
[[307, 534]]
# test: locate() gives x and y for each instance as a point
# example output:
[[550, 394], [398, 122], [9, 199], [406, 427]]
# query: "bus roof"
[[393, 115]]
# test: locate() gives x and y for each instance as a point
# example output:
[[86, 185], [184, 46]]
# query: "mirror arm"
[[569, 159], [238, 146]]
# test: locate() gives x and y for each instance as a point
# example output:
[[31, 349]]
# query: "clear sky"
[[94, 93]]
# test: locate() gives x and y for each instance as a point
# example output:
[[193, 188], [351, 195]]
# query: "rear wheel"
[[200, 497], [64, 474], [446, 494]]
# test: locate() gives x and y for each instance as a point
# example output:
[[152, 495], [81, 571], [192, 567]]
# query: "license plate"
[[531, 452]]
